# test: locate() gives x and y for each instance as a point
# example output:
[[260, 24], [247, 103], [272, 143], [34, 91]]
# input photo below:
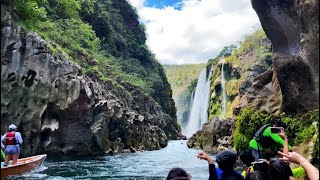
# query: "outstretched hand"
[[292, 157], [205, 156]]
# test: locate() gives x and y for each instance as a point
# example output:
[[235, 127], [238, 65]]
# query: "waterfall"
[[224, 94], [200, 104], [184, 126]]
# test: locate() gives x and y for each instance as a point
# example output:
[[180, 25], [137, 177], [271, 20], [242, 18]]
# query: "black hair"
[[177, 173], [262, 167], [279, 170], [226, 160], [257, 175], [246, 157], [279, 123]]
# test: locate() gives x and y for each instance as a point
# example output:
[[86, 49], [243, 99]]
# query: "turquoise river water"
[[149, 165]]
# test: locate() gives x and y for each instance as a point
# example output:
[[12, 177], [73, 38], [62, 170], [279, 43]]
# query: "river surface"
[[151, 165]]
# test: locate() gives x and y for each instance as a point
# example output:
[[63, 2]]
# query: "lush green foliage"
[[30, 10], [227, 51], [232, 87], [102, 36], [259, 48], [252, 55], [180, 76]]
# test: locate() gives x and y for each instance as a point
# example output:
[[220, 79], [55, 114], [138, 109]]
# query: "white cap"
[[12, 127]]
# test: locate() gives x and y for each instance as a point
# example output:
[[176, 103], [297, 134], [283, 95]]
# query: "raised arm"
[[285, 139], [277, 138], [212, 169], [312, 172]]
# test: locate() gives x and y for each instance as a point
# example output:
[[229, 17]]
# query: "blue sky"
[[163, 3], [194, 31]]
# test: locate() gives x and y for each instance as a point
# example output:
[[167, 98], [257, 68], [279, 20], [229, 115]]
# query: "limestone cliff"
[[293, 28], [60, 110]]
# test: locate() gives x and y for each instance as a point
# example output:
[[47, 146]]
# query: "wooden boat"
[[23, 165]]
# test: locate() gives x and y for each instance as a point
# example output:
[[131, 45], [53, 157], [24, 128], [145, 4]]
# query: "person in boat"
[[12, 140], [266, 144]]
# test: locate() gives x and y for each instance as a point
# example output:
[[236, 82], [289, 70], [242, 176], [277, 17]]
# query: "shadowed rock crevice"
[[28, 80]]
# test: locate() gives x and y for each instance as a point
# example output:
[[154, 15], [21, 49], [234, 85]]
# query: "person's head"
[[279, 170], [12, 127], [177, 173], [257, 175], [279, 123], [226, 160], [261, 166], [246, 157]]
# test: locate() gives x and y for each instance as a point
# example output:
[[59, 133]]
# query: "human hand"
[[205, 156], [283, 134], [292, 157]]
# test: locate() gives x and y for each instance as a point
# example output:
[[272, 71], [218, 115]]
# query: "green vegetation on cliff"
[[242, 64], [102, 36], [180, 76]]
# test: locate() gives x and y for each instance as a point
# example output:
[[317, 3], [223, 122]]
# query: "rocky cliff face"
[[293, 28], [264, 94], [61, 111], [214, 136]]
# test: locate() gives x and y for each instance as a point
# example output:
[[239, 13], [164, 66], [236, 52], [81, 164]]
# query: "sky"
[[194, 31]]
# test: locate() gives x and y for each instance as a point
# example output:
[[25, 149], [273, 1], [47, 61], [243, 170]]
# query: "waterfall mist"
[[200, 104]]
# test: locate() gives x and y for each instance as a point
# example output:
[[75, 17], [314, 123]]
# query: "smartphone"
[[276, 130]]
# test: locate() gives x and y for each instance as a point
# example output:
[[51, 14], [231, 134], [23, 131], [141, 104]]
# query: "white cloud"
[[139, 4], [196, 32]]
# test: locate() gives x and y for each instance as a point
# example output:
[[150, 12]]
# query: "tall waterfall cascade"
[[224, 94], [200, 104]]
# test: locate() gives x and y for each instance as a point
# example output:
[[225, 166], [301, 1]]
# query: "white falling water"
[[200, 104], [184, 127], [224, 94]]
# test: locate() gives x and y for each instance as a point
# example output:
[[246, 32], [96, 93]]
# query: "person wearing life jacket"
[[12, 140], [265, 144]]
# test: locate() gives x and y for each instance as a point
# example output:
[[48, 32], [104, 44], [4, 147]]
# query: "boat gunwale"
[[33, 159]]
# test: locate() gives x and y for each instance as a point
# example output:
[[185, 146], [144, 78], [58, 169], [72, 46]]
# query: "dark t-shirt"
[[218, 174]]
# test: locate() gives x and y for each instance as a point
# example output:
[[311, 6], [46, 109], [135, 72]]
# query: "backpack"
[[265, 142]]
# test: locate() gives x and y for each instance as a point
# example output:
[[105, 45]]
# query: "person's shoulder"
[[18, 133], [267, 131], [267, 128]]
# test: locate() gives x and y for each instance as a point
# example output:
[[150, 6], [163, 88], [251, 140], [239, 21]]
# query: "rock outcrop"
[[59, 110], [214, 136], [264, 94], [293, 28]]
